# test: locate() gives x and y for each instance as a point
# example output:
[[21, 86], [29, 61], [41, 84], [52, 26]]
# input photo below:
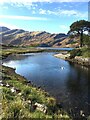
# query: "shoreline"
[[64, 55], [77, 60], [13, 81], [38, 91], [6, 52]]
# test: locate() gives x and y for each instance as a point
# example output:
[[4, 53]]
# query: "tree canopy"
[[79, 27]]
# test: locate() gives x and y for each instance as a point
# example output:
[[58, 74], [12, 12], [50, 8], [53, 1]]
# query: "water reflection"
[[78, 89]]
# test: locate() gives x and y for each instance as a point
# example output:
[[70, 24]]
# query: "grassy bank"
[[78, 55], [20, 98], [84, 52], [7, 50]]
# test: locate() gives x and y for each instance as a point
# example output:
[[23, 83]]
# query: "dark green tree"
[[79, 27]]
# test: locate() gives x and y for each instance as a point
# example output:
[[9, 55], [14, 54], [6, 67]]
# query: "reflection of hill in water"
[[18, 57]]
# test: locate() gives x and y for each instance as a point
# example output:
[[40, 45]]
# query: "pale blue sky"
[[53, 17]]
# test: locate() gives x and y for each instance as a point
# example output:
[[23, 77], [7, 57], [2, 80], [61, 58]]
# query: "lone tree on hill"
[[79, 27]]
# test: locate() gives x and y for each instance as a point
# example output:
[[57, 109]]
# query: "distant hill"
[[2, 29], [34, 38]]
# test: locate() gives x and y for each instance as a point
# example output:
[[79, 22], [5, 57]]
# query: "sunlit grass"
[[15, 105]]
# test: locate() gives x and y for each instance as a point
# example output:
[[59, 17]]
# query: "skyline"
[[53, 17]]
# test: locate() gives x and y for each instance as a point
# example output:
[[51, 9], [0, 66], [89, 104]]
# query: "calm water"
[[51, 48], [69, 85]]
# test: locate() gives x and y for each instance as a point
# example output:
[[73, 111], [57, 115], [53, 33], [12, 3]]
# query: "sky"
[[53, 16]]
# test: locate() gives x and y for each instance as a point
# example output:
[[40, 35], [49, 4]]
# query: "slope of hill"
[[68, 42], [34, 38], [2, 29]]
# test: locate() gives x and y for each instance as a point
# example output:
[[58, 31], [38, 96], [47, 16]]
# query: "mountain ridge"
[[21, 37]]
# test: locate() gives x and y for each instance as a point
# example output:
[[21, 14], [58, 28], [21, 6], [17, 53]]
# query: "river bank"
[[6, 51], [62, 55], [55, 78], [29, 101], [77, 59], [22, 96]]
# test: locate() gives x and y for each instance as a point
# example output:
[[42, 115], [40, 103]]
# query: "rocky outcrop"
[[81, 60], [41, 107]]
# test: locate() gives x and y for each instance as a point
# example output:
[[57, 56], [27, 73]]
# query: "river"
[[65, 81]]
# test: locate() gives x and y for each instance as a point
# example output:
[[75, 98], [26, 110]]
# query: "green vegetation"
[[84, 52], [75, 52], [86, 40], [7, 50], [19, 98], [79, 27]]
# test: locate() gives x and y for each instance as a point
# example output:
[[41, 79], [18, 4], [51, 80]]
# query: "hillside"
[[35, 38], [3, 29]]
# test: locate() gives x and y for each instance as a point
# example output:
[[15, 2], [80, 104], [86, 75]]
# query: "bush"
[[75, 52], [85, 52], [86, 40], [51, 105]]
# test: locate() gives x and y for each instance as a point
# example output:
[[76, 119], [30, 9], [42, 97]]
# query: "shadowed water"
[[67, 82]]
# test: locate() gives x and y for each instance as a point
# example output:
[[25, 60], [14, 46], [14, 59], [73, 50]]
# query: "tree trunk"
[[81, 39]]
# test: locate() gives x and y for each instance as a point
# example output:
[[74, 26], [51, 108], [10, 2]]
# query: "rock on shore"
[[62, 55]]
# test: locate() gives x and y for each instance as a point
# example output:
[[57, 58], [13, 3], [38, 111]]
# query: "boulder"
[[41, 107]]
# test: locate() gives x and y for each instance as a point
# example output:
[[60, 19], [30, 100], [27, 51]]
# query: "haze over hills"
[[36, 38]]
